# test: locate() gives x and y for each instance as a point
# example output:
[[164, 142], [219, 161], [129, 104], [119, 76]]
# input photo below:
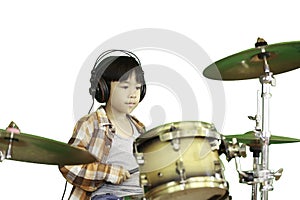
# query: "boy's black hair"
[[116, 68]]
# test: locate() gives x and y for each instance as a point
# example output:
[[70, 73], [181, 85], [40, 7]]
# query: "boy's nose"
[[133, 95]]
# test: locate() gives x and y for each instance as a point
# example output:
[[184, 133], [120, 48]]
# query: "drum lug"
[[140, 158], [144, 181], [175, 144], [214, 144], [218, 167], [180, 169]]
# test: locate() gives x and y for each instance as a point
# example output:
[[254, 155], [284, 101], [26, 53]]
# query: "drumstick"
[[132, 171]]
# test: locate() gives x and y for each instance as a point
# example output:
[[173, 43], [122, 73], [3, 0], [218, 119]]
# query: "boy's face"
[[124, 96]]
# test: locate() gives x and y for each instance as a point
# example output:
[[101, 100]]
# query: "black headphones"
[[99, 87]]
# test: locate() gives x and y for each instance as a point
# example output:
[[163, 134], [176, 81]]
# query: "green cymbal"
[[283, 57], [35, 149], [250, 139]]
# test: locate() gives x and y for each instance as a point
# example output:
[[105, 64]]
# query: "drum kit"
[[180, 160]]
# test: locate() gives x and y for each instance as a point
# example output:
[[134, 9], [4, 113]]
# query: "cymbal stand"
[[265, 176], [256, 152], [267, 80], [261, 175], [12, 129], [8, 153], [2, 157]]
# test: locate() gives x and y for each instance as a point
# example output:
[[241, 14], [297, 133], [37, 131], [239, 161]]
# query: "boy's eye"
[[138, 87], [124, 86]]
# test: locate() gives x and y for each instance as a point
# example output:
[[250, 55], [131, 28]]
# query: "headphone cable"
[[91, 106], [62, 198]]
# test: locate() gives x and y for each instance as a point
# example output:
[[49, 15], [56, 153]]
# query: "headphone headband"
[[105, 53]]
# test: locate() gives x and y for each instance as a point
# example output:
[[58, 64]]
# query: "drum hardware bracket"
[[234, 150], [258, 134], [268, 78], [242, 174], [247, 177], [266, 176], [257, 119], [261, 176]]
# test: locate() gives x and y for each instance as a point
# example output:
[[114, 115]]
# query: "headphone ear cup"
[[94, 86], [143, 92], [102, 91]]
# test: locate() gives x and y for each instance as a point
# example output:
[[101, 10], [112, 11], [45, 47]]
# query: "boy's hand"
[[124, 175]]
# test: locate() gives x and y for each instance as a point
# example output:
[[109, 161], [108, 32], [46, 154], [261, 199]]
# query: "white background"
[[43, 45]]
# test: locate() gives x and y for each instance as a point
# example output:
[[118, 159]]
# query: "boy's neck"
[[121, 122], [115, 115]]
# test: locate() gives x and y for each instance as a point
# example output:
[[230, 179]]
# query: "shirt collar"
[[104, 121]]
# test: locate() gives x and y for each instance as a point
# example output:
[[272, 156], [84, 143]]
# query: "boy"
[[109, 132]]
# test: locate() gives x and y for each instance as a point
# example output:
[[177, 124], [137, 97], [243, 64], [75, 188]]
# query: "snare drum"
[[180, 160]]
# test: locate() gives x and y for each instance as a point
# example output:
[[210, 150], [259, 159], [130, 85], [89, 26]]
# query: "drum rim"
[[201, 182], [164, 133]]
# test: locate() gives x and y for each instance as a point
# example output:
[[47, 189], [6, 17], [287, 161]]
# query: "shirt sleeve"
[[90, 177]]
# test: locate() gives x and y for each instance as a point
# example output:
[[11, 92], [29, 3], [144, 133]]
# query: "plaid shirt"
[[93, 132]]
